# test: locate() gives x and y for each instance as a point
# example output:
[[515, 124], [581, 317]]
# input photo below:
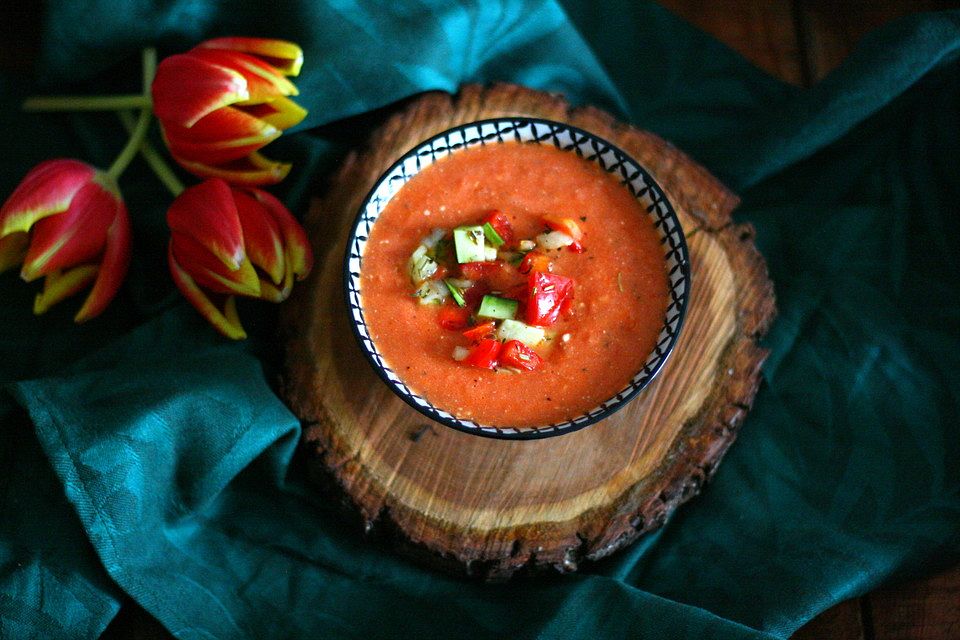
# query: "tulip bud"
[[67, 223], [222, 101], [229, 241]]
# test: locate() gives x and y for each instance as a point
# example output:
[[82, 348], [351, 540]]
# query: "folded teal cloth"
[[157, 464]]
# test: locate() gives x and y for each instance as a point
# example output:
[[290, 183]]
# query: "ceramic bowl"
[[567, 138]]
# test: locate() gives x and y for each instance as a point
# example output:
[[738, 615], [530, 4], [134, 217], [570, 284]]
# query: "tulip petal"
[[280, 112], [295, 243], [47, 189], [207, 213], [261, 235], [207, 271], [187, 88], [263, 81], [113, 267], [75, 236], [59, 286], [253, 170], [287, 57], [13, 248], [226, 322], [272, 293], [224, 135]]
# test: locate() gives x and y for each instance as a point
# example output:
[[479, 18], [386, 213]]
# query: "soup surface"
[[595, 347]]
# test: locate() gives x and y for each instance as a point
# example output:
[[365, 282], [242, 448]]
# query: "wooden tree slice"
[[493, 507]]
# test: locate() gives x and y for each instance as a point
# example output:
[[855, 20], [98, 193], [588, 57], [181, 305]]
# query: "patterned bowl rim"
[[674, 237]]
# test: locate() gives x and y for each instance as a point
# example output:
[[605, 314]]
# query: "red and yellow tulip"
[[229, 241], [66, 222], [225, 99]]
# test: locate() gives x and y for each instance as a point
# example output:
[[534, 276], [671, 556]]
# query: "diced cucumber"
[[456, 292], [469, 243], [421, 265], [516, 330], [492, 236], [496, 307], [432, 292]]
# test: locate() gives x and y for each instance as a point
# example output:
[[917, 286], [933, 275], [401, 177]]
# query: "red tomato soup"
[[597, 340]]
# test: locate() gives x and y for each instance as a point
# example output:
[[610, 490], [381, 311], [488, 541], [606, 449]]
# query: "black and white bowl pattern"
[[528, 131]]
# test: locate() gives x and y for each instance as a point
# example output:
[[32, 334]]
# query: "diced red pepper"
[[519, 356], [480, 270], [453, 318], [519, 292], [548, 293], [568, 226], [473, 295], [484, 354], [479, 332], [501, 224], [534, 261]]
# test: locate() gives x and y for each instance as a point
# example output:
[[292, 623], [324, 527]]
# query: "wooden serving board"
[[494, 507]]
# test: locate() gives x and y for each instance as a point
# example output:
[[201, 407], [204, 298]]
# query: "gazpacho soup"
[[514, 284]]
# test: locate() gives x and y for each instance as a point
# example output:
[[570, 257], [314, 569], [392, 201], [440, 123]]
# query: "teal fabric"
[[157, 464]]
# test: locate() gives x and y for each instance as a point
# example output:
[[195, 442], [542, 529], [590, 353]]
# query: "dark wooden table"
[[799, 41]]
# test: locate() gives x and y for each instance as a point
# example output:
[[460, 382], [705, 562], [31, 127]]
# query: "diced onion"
[[460, 283], [554, 240], [431, 240], [527, 245], [460, 353], [421, 265], [432, 292]]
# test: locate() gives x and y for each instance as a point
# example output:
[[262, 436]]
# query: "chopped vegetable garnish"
[[469, 244], [435, 236], [620, 281], [518, 355], [453, 318], [568, 226], [496, 307], [481, 331], [432, 292], [455, 291], [493, 288], [421, 265], [534, 261], [554, 240], [484, 354], [516, 330], [501, 224], [474, 294], [492, 236], [549, 293]]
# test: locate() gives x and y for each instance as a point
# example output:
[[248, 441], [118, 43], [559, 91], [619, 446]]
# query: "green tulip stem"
[[154, 159], [86, 103], [139, 133]]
